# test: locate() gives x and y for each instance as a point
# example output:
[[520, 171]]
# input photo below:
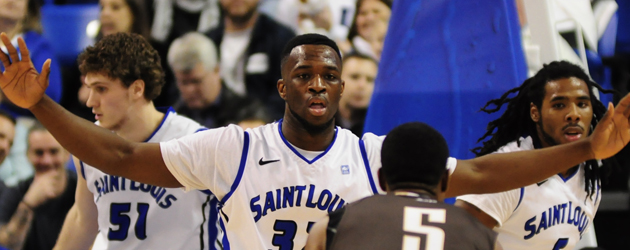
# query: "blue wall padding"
[[623, 36], [442, 61], [65, 28]]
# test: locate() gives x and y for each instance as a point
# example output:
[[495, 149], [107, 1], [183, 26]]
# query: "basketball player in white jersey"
[[273, 181], [124, 75], [553, 107]]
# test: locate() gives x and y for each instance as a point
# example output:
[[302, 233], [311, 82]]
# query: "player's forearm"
[[506, 171], [13, 234], [76, 233], [95, 145]]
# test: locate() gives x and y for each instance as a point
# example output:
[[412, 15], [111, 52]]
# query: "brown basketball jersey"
[[405, 223]]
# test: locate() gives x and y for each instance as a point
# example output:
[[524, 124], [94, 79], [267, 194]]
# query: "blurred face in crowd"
[[110, 100], [14, 10], [566, 112], [359, 75], [115, 16], [372, 19], [199, 86], [239, 10], [7, 133], [45, 153]]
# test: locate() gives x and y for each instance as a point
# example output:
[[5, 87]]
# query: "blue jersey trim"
[[520, 199], [166, 113], [298, 153], [241, 168], [367, 166], [226, 242], [213, 220], [201, 129], [570, 176], [82, 170]]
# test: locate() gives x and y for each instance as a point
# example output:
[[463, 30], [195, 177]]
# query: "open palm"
[[613, 131], [20, 82]]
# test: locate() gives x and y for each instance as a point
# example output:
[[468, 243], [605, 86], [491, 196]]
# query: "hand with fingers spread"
[[613, 131], [20, 81]]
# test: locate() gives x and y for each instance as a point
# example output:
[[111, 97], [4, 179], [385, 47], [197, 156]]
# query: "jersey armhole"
[[333, 222], [366, 163], [241, 169]]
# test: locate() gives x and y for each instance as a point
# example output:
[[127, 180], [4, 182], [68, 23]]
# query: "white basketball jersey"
[[270, 193], [133, 215], [552, 214]]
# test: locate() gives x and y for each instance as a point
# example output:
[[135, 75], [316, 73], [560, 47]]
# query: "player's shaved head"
[[308, 39], [414, 153]]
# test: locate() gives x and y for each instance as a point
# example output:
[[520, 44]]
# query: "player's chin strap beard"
[[546, 137], [309, 127]]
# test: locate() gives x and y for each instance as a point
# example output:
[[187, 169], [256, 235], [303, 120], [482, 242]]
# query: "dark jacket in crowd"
[[267, 41]]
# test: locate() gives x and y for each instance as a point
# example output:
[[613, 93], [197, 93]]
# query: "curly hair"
[[516, 121], [128, 57]]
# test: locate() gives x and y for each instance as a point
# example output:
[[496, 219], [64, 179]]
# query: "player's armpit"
[[317, 236]]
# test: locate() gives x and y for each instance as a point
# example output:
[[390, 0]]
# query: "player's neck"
[[425, 194], [299, 136], [141, 123]]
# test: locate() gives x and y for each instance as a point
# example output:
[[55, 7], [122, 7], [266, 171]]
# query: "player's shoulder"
[[523, 143], [175, 125], [264, 131]]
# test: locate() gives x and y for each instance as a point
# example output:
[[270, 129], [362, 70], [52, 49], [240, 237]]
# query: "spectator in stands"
[[359, 72], [22, 19], [250, 44], [203, 97], [32, 213], [327, 17], [115, 16], [7, 133], [253, 115], [369, 27], [173, 19]]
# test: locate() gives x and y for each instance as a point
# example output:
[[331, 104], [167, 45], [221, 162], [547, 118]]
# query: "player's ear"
[[444, 182], [343, 86], [282, 88], [137, 88], [534, 113], [381, 179]]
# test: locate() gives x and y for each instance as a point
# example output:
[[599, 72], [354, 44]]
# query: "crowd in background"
[[221, 60]]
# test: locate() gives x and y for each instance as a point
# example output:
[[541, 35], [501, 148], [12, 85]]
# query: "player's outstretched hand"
[[20, 82], [613, 131]]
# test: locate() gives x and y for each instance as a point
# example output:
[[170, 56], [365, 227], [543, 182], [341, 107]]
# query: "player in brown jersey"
[[412, 214]]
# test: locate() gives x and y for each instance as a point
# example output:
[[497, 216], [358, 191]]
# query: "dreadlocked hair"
[[516, 121]]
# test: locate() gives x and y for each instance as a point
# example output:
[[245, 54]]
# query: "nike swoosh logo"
[[261, 162]]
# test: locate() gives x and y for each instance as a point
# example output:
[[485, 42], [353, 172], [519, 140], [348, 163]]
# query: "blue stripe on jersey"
[[570, 176], [520, 198], [241, 168], [298, 153], [367, 166], [226, 243], [213, 223], [82, 170], [168, 112], [201, 129]]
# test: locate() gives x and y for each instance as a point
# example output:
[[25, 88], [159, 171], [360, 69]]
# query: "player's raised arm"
[[97, 146], [501, 172]]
